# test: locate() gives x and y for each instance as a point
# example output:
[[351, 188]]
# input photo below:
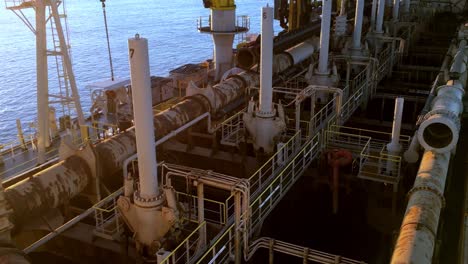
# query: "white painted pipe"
[[373, 13], [412, 154], [380, 17], [42, 82], [358, 24], [396, 9], [440, 131], [325, 36], [394, 145], [143, 116], [266, 61], [416, 240]]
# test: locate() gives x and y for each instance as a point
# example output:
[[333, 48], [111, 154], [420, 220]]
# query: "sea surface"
[[170, 27]]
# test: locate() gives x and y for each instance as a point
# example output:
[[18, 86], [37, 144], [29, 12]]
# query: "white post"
[[373, 13], [143, 116], [266, 61], [325, 36], [396, 9], [380, 17], [358, 24], [394, 146], [42, 82]]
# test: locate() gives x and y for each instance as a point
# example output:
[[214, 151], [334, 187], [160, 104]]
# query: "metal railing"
[[215, 211], [220, 250], [188, 250], [263, 175], [383, 167], [232, 130], [107, 218], [242, 24], [282, 182]]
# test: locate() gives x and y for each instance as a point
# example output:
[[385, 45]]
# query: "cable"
[[107, 36]]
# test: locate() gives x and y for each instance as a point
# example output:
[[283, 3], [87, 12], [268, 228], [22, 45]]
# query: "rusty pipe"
[[418, 231], [112, 152], [47, 189]]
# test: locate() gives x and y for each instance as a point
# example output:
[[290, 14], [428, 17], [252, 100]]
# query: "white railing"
[[232, 130], [188, 250], [107, 219]]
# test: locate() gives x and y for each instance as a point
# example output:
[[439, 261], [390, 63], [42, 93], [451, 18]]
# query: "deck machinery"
[[352, 119]]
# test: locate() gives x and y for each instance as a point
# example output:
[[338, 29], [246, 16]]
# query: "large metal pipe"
[[47, 189], [440, 129], [266, 65], [325, 36], [418, 231], [143, 116], [72, 175], [248, 57]]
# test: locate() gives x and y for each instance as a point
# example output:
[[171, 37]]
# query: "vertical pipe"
[[201, 213], [143, 116], [325, 36], [266, 61], [380, 17], [336, 188], [343, 8], [237, 219], [373, 13], [396, 9], [394, 146], [358, 24], [407, 4], [42, 82], [397, 117]]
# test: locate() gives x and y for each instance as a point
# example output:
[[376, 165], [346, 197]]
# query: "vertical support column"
[[380, 17], [143, 116], [266, 61], [222, 21], [396, 9], [201, 213], [325, 36], [20, 134], [42, 82], [394, 146], [237, 235], [373, 13], [358, 24]]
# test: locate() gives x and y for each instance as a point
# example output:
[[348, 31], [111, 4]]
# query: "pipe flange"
[[148, 201], [430, 189], [443, 112]]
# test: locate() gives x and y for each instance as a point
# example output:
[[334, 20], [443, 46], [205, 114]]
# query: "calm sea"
[[170, 27]]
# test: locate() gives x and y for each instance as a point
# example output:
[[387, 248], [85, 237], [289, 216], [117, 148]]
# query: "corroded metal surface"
[[113, 151], [416, 241], [47, 189]]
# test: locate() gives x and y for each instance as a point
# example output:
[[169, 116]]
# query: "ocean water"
[[169, 26]]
